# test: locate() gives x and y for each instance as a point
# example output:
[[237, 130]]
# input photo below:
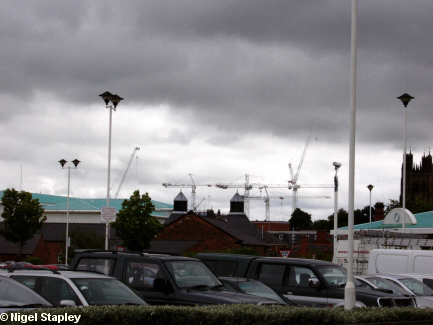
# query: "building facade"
[[419, 179]]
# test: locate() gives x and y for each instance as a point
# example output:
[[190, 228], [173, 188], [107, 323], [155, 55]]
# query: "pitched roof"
[[9, 248], [237, 226]]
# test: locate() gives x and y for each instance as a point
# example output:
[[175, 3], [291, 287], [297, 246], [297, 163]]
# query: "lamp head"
[[370, 187], [405, 99], [76, 162], [107, 96], [62, 162], [336, 165], [115, 99]]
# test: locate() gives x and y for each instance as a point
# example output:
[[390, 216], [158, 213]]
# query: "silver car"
[[422, 293], [16, 296], [72, 288]]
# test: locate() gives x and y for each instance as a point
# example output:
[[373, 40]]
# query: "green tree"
[[81, 239], [342, 218], [392, 205], [419, 205], [323, 224], [22, 217], [134, 224], [300, 220]]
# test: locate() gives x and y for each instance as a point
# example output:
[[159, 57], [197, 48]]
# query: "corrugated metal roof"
[[59, 203], [424, 220]]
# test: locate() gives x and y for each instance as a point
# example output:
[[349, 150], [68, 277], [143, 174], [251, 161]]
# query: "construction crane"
[[125, 171], [247, 187], [281, 197], [293, 182], [193, 187]]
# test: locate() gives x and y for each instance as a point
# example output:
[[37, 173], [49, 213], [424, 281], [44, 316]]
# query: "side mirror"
[[67, 303], [162, 286], [314, 282]]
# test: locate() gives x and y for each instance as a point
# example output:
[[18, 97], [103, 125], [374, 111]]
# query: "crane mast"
[[128, 164]]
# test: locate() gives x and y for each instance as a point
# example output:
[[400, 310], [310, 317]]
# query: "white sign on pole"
[[108, 214], [285, 253]]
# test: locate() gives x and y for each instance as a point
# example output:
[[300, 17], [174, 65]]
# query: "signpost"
[[108, 214]]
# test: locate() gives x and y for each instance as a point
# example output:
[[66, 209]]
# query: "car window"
[[55, 290], [189, 274], [272, 274], [428, 282], [99, 291], [141, 275], [300, 276], [29, 281], [101, 265], [417, 287]]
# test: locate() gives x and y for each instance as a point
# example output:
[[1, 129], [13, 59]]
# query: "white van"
[[400, 261]]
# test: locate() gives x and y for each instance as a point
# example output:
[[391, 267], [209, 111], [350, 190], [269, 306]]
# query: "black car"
[[306, 282], [163, 279]]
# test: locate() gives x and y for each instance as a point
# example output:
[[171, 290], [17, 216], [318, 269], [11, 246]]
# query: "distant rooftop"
[[59, 203]]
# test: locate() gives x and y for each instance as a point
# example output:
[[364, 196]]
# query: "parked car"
[[16, 296], [71, 288], [255, 288], [422, 293], [164, 279], [382, 284], [424, 278], [306, 282]]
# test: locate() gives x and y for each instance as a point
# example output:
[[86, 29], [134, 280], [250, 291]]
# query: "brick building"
[[36, 246], [189, 231]]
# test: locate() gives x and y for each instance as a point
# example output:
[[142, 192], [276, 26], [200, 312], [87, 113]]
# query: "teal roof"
[[59, 203], [424, 220]]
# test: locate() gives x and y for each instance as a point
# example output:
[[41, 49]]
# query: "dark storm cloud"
[[252, 66]]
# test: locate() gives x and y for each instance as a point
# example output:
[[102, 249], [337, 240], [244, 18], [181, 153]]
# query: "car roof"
[[54, 273], [127, 254]]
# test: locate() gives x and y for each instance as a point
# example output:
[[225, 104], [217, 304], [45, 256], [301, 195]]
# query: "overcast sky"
[[216, 89]]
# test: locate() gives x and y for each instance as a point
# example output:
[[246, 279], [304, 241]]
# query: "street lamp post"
[[349, 290], [337, 166], [405, 99], [115, 99], [370, 187], [68, 240]]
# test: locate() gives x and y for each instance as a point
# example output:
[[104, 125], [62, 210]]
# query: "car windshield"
[[383, 283], [335, 276], [257, 288], [417, 287], [192, 274], [15, 294], [102, 291]]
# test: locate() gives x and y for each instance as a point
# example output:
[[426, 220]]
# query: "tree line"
[[301, 220]]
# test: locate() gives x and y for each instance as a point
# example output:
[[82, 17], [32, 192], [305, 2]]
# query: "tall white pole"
[[108, 177], [404, 170], [67, 218], [349, 291]]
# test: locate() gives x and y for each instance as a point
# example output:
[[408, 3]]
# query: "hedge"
[[219, 315]]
